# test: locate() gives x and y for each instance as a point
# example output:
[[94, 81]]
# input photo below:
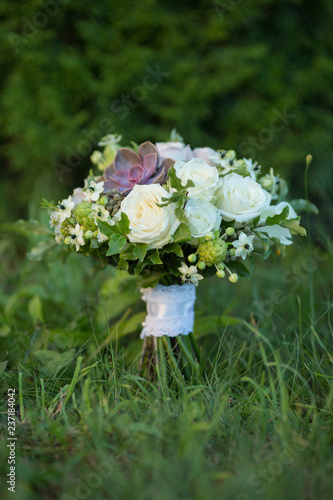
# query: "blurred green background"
[[254, 75], [250, 75]]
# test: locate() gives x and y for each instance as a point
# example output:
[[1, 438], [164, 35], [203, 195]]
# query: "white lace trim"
[[170, 310]]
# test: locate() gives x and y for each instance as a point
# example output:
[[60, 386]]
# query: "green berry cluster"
[[82, 215], [114, 201], [212, 251]]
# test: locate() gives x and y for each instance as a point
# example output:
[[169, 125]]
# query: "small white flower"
[[190, 274], [101, 237], [252, 168], [63, 212], [93, 190], [76, 237], [271, 182], [100, 213], [226, 161], [243, 245], [54, 218], [59, 237]]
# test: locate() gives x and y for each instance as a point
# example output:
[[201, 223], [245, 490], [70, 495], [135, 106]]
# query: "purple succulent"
[[130, 168]]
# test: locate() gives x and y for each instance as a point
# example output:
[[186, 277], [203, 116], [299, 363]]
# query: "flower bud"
[[232, 251], [201, 265], [209, 236], [192, 258], [82, 214], [308, 159], [220, 273], [230, 231], [233, 278], [103, 200], [267, 182]]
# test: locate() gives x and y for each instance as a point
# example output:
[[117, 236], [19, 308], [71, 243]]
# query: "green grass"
[[257, 425]]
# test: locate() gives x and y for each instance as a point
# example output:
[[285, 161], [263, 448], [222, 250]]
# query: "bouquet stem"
[[170, 359]]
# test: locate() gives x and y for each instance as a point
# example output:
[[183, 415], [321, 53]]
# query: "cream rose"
[[241, 198], [149, 223], [205, 154], [205, 178], [202, 217], [174, 150]]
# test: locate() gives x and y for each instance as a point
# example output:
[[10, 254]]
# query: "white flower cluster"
[[75, 219], [211, 209]]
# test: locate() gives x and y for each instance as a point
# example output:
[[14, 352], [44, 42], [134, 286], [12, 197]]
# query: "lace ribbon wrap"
[[170, 310]]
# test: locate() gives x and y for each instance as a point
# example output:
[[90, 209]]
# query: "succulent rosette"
[[161, 210], [130, 168]]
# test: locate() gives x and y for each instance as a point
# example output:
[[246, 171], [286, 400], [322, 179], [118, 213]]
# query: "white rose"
[[174, 150], [202, 217], [205, 178], [205, 154], [241, 198], [282, 234], [149, 223]]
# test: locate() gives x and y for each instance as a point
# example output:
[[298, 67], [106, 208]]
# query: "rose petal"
[[125, 159]]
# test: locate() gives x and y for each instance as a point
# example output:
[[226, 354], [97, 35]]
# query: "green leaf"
[[3, 365], [155, 258], [41, 250], [27, 228], [175, 182], [152, 279], [277, 219], [182, 234], [174, 248], [140, 251], [174, 198], [35, 309], [94, 244], [123, 264], [122, 226], [180, 215], [128, 253], [116, 244], [301, 205], [295, 227], [105, 228], [54, 360], [139, 267], [4, 330]]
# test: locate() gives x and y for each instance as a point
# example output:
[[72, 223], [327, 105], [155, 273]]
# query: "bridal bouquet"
[[172, 216]]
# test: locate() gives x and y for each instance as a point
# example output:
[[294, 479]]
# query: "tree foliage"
[[253, 76]]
